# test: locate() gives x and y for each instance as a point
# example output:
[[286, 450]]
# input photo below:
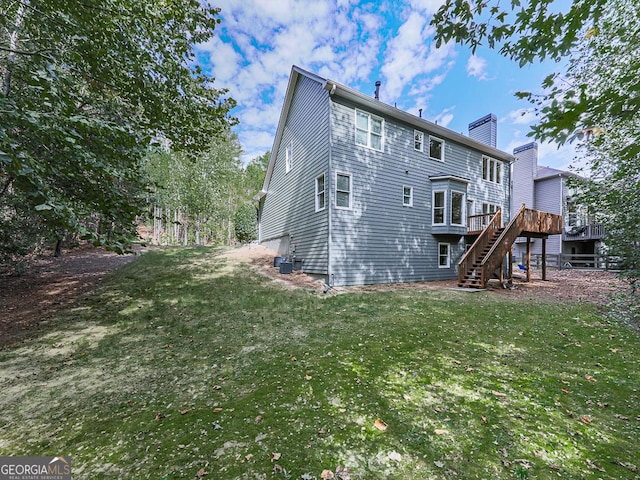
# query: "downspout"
[[329, 199]]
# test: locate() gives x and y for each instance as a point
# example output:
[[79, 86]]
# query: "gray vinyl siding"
[[548, 198], [288, 209], [379, 240]]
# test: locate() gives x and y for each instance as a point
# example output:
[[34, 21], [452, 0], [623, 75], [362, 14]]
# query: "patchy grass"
[[182, 365]]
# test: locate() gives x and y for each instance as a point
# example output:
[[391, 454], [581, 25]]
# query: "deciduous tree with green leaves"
[[597, 94], [86, 86]]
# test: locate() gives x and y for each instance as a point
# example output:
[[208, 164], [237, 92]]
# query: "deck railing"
[[592, 231], [477, 223], [494, 222]]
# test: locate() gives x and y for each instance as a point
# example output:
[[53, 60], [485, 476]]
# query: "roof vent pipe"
[[420, 112], [377, 94]]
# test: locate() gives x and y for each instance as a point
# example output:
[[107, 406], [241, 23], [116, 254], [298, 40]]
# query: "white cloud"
[[428, 6], [411, 56], [477, 67], [445, 117], [521, 116]]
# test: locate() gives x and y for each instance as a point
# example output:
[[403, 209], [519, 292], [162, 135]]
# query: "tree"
[[597, 97], [85, 88], [197, 195]]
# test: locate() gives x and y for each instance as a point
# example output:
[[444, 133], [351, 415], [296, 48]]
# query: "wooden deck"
[[494, 242]]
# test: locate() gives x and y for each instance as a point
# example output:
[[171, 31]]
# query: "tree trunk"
[[13, 46], [197, 230]]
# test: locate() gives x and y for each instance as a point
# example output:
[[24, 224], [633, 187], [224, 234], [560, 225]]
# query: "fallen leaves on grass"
[[441, 431], [590, 378], [202, 472], [160, 416], [595, 466], [275, 456], [327, 475], [380, 425], [217, 410], [308, 377], [586, 420], [629, 466], [395, 456], [499, 394], [184, 411]]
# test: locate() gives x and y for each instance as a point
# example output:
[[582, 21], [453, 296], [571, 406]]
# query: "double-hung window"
[[418, 140], [407, 196], [490, 207], [343, 190], [444, 255], [369, 130], [457, 208], [436, 149], [320, 192], [491, 170], [439, 207]]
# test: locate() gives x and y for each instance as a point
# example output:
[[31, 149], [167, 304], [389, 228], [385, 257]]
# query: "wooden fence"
[[581, 260]]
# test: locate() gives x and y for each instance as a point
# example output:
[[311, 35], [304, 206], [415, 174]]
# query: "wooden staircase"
[[488, 251]]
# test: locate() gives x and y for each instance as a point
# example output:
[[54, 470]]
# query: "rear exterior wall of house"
[[387, 232]]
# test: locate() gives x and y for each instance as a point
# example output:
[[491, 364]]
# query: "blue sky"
[[356, 42]]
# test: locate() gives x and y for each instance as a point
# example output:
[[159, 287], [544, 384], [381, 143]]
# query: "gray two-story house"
[[360, 192]]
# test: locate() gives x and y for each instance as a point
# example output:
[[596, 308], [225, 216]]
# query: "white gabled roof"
[[336, 89]]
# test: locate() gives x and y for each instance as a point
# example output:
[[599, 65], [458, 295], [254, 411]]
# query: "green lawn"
[[181, 365]]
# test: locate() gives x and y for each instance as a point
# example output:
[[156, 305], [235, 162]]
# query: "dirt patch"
[[561, 285], [52, 283]]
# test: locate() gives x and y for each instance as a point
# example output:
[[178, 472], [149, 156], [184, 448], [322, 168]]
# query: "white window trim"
[[464, 208], [355, 126], [448, 265], [288, 154], [416, 133], [350, 191], [494, 166], [410, 204], [441, 148], [433, 207], [324, 191]]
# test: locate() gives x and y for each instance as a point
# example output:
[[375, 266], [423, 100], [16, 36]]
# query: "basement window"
[[444, 255]]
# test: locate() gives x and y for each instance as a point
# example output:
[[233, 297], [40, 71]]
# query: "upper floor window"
[[288, 153], [343, 190], [320, 193], [436, 149], [418, 140], [491, 170], [407, 196], [369, 130], [457, 208], [439, 207]]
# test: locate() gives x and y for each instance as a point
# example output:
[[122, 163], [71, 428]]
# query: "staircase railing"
[[502, 245], [473, 254]]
